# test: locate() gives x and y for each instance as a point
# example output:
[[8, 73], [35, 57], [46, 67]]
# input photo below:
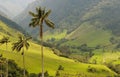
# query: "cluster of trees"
[[11, 66], [86, 52], [115, 41], [68, 51]]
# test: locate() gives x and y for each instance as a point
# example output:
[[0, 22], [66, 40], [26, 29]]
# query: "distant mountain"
[[99, 26], [105, 15], [65, 13], [75, 17]]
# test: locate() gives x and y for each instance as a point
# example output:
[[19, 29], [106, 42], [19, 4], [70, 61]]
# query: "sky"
[[15, 6]]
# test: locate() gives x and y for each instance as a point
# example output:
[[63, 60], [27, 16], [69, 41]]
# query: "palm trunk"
[[1, 75], [42, 55], [7, 68], [23, 63], [7, 63], [1, 70], [103, 56]]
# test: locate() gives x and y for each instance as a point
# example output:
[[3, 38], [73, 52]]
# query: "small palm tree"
[[39, 18], [5, 40], [21, 44]]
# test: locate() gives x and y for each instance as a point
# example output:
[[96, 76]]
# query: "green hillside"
[[52, 61], [89, 34], [5, 30], [11, 24]]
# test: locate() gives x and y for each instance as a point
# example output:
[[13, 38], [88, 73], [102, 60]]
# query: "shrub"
[[57, 74], [60, 67], [33, 75], [91, 69]]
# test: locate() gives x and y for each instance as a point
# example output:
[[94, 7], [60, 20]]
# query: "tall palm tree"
[[5, 40], [38, 19], [21, 44]]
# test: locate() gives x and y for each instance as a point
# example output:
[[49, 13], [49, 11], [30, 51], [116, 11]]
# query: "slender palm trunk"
[[6, 63], [1, 75], [103, 56], [42, 55], [23, 63], [1, 70], [7, 68]]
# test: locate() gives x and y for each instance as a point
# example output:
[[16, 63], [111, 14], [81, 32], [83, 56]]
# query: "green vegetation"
[[9, 65], [52, 61], [55, 36]]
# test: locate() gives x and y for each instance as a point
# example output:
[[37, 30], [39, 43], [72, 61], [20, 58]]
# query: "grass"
[[90, 35], [57, 35], [52, 61]]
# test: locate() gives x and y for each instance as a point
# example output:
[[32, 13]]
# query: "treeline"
[[84, 51], [68, 51]]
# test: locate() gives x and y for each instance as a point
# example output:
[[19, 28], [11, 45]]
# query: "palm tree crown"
[[4, 40], [40, 17], [21, 43]]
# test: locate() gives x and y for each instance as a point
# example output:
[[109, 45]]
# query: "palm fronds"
[[22, 42], [4, 40], [40, 17]]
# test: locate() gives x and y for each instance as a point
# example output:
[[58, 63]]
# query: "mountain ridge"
[[63, 20]]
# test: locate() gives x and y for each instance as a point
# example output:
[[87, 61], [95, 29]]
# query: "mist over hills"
[[13, 7], [4, 11]]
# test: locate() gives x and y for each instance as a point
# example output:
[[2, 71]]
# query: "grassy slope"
[[108, 56], [89, 34], [52, 61], [7, 31]]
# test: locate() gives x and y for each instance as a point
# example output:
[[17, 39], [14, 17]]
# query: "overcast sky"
[[15, 6]]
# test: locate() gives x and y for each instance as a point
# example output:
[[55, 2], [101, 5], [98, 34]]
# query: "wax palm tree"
[[5, 40], [39, 18], [21, 44]]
